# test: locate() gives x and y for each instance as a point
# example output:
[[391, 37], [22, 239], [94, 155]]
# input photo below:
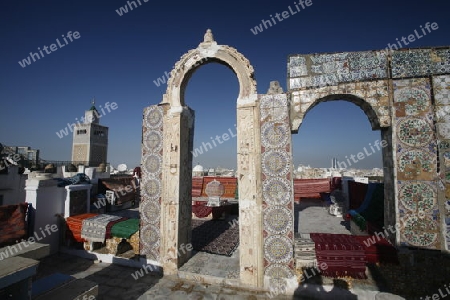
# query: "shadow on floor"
[[313, 289], [114, 281]]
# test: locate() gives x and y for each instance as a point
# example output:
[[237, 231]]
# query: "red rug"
[[342, 254], [201, 211]]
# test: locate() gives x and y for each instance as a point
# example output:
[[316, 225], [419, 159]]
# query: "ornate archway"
[[167, 185]]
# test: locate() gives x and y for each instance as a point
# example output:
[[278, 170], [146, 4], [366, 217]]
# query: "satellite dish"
[[122, 167]]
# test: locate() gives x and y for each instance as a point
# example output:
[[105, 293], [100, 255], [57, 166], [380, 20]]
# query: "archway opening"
[[326, 165], [210, 90]]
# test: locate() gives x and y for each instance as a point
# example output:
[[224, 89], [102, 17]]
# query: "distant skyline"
[[58, 55]]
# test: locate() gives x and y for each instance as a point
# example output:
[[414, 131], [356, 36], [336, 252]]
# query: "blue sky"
[[118, 58]]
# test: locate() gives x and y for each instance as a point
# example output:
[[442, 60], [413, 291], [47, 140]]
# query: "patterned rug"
[[94, 229], [215, 236], [342, 253]]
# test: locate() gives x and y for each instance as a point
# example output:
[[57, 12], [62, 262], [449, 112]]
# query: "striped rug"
[[342, 254]]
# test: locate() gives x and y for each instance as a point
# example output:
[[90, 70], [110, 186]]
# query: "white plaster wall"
[[12, 186], [47, 200]]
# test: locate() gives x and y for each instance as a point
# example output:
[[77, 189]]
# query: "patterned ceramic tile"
[[418, 196], [277, 191], [276, 163], [275, 135], [411, 63], [412, 97], [278, 220], [330, 69], [441, 87], [420, 62], [442, 113], [414, 132], [443, 130], [416, 165], [278, 249], [150, 208], [274, 107], [420, 230], [441, 61]]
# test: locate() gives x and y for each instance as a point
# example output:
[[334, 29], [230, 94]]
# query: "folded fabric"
[[13, 226], [125, 229], [74, 225], [94, 229]]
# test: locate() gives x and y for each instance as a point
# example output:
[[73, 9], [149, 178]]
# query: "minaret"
[[90, 139]]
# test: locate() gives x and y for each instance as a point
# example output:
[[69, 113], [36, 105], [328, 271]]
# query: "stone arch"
[[366, 107], [177, 135], [379, 118], [209, 51], [374, 98]]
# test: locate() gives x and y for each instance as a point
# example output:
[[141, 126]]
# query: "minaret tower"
[[90, 139]]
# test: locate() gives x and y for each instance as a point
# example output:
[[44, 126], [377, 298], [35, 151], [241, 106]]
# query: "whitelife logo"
[[280, 17], [414, 36], [31, 240], [71, 36], [124, 9]]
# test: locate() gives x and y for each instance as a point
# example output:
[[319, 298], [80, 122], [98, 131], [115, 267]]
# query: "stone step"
[[48, 283], [25, 249], [72, 290], [15, 277]]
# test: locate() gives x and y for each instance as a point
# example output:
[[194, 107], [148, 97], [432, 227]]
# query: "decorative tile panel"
[[420, 62], [318, 70], [416, 163], [276, 165], [441, 89], [151, 185]]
